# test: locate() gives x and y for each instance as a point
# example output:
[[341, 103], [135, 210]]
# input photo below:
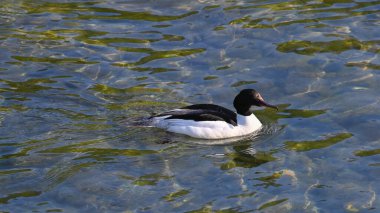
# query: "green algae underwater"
[[74, 74]]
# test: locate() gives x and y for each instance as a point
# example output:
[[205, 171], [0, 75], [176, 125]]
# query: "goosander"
[[210, 121]]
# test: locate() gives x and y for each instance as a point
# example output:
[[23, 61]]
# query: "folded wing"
[[202, 112]]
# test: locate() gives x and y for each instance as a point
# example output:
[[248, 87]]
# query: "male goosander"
[[209, 121]]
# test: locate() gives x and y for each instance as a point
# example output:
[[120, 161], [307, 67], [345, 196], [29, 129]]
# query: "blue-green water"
[[74, 74]]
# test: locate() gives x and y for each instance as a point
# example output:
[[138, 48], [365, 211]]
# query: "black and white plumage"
[[209, 121]]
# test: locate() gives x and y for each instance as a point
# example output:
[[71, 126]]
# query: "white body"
[[209, 129]]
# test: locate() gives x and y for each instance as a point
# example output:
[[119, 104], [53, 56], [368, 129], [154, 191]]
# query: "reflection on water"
[[241, 159], [77, 79]]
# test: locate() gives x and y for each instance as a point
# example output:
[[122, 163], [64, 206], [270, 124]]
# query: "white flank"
[[209, 129]]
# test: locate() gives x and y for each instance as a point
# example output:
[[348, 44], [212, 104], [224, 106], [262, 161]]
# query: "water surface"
[[75, 74]]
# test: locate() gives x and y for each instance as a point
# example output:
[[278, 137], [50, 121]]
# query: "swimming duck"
[[210, 121]]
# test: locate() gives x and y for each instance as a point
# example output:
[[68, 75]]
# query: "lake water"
[[76, 75]]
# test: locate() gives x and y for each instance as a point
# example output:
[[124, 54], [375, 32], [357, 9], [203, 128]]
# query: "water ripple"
[[77, 79]]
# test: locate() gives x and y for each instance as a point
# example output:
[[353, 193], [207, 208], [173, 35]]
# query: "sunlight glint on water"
[[74, 76]]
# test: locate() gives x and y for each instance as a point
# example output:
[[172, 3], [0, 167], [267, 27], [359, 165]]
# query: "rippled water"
[[75, 74]]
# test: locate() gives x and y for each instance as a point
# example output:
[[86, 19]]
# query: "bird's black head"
[[248, 98]]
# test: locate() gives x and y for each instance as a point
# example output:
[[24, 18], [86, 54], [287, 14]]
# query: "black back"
[[203, 112]]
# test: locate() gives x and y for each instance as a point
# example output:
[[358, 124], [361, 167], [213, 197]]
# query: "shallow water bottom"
[[75, 74]]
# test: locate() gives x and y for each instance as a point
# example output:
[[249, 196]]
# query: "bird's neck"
[[250, 120], [244, 110]]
